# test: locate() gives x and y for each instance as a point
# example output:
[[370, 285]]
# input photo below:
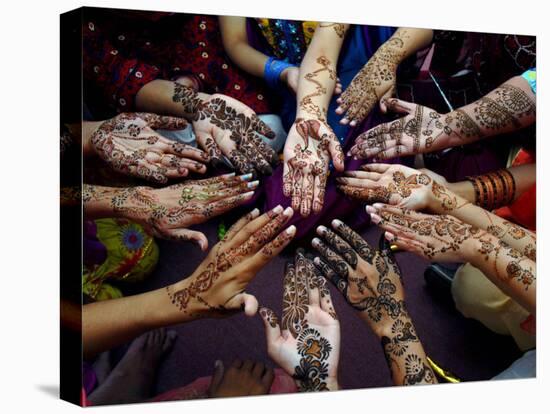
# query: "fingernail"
[[246, 177], [288, 212], [278, 209], [316, 260], [340, 179], [378, 205], [321, 230], [389, 237], [315, 242], [370, 209], [249, 194], [229, 175], [217, 363], [254, 213], [337, 223], [375, 218], [291, 230], [253, 184]]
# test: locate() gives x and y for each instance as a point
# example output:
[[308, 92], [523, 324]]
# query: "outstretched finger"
[[272, 328], [163, 121], [354, 240], [186, 235], [239, 224], [334, 259], [261, 127], [329, 273], [221, 206]]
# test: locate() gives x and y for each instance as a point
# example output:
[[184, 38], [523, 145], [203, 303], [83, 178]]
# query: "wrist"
[[183, 308], [273, 71]]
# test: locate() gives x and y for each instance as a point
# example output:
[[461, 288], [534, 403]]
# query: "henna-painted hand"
[[242, 378], [398, 185], [168, 212], [129, 144], [438, 238], [421, 130], [369, 279], [308, 347], [374, 82], [225, 126], [310, 145], [217, 287]]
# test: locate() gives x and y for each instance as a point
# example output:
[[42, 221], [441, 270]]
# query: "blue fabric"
[[531, 77], [272, 71]]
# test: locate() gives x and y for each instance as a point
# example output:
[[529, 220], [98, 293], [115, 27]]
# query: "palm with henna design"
[[310, 145], [129, 144], [421, 130], [308, 346], [398, 185], [225, 126], [217, 287]]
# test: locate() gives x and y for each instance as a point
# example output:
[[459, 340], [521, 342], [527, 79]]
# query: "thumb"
[[336, 154], [390, 93], [244, 301], [163, 121], [399, 106], [217, 376], [271, 324], [187, 235]]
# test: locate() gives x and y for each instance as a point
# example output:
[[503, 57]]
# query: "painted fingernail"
[[254, 213], [253, 184], [315, 242], [370, 209], [278, 209], [249, 194], [321, 230], [288, 212], [246, 177], [291, 230], [316, 260], [378, 205], [389, 237], [228, 175], [336, 223], [375, 218]]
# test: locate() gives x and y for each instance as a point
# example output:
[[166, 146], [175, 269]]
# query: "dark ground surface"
[[460, 345]]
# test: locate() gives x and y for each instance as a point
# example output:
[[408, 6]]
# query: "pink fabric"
[[282, 384]]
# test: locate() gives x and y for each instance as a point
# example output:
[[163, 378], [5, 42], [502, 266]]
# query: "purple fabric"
[[89, 379], [94, 251]]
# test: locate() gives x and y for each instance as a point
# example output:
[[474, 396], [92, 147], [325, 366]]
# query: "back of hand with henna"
[[306, 344], [370, 281], [217, 287], [225, 126]]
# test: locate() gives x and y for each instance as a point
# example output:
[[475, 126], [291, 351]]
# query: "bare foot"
[[242, 378], [132, 379]]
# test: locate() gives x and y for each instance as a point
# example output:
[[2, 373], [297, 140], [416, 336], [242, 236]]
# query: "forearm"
[[318, 71], [507, 108], [446, 202], [507, 268], [405, 42], [403, 351], [169, 98], [111, 323]]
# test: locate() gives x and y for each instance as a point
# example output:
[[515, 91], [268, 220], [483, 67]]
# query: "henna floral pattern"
[[215, 116], [306, 164], [129, 145], [374, 80]]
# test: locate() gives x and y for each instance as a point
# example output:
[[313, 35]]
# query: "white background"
[[29, 232]]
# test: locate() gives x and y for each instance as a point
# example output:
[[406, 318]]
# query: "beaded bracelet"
[[273, 69]]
